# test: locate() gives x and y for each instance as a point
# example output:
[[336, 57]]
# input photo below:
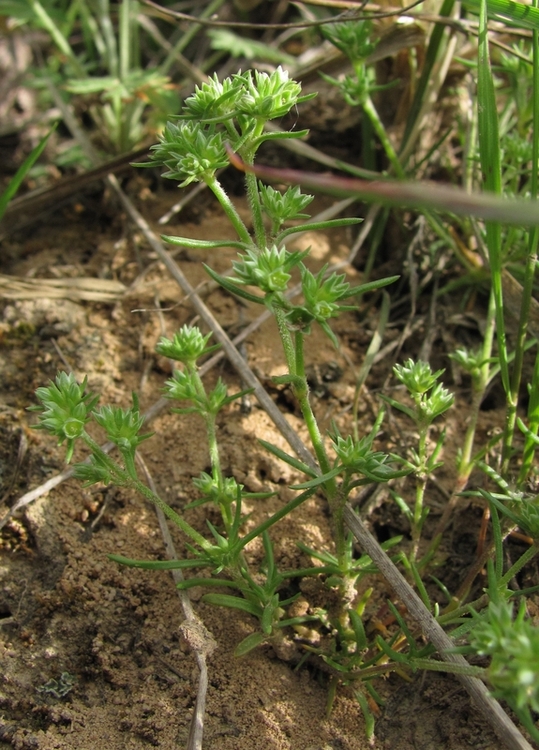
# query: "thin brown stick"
[[353, 12], [193, 629]]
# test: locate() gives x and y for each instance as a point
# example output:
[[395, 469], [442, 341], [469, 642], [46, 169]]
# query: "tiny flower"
[[122, 426], [268, 270], [267, 97], [439, 400], [183, 386], [65, 409], [281, 207], [191, 152], [187, 345], [321, 295], [214, 99], [417, 376]]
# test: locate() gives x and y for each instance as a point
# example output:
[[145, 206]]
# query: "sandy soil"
[[108, 635]]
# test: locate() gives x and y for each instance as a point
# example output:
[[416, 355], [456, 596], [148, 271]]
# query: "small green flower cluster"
[[234, 110], [513, 645], [419, 380]]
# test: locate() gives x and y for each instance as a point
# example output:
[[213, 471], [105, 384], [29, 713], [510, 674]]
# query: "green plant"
[[193, 149], [125, 100], [229, 117], [16, 181], [430, 400], [59, 688]]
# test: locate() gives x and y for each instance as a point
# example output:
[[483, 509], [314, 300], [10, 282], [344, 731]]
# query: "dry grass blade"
[[421, 195], [89, 289]]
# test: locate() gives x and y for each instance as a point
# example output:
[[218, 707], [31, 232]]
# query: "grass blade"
[[489, 152], [420, 195], [519, 14], [26, 166]]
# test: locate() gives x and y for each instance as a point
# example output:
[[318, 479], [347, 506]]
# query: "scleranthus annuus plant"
[[233, 114], [235, 111]]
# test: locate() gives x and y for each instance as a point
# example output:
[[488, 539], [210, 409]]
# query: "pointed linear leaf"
[[15, 182], [318, 480], [280, 136], [234, 602], [249, 643], [202, 244], [236, 396], [317, 226], [233, 288], [287, 458], [370, 286], [520, 14], [157, 564], [192, 582]]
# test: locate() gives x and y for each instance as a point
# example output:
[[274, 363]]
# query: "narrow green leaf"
[[371, 286], [287, 135], [93, 85], [359, 630], [317, 226], [190, 583], [234, 602], [157, 564], [249, 643], [520, 14], [317, 481], [233, 288], [394, 655], [28, 163], [397, 405], [287, 458], [433, 49], [489, 151], [281, 513], [200, 244]]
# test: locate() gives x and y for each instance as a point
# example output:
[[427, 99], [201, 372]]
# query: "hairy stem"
[[229, 208]]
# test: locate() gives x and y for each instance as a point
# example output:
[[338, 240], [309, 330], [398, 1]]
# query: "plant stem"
[[256, 208], [302, 394], [286, 339], [479, 384], [529, 272], [417, 521], [229, 208], [128, 480], [533, 425], [333, 495], [520, 563], [380, 131]]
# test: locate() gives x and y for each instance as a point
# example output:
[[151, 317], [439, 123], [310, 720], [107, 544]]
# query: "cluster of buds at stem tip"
[[419, 380], [234, 110], [65, 409]]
